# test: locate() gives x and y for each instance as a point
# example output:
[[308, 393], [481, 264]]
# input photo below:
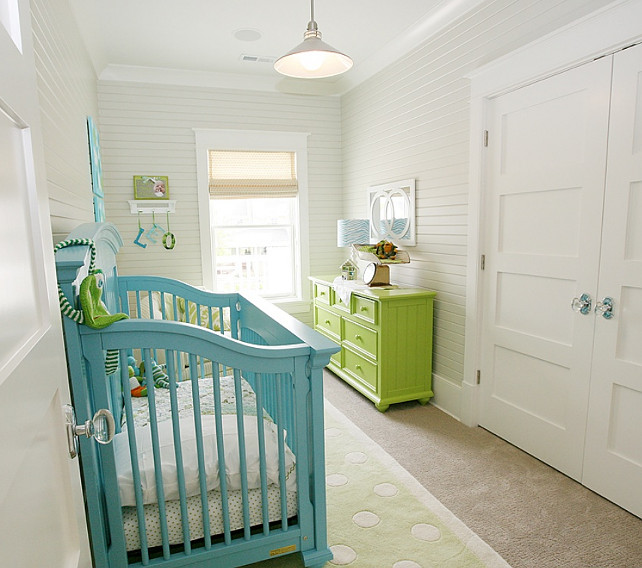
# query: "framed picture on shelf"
[[151, 187]]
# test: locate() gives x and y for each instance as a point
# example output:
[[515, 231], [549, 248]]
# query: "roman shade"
[[240, 174]]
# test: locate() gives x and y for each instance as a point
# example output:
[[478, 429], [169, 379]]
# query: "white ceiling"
[[198, 36]]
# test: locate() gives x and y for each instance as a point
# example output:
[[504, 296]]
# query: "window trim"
[[258, 140]]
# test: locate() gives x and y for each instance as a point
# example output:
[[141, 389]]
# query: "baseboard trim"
[[447, 396]]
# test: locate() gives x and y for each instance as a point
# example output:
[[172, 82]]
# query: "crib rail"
[[155, 297], [278, 374]]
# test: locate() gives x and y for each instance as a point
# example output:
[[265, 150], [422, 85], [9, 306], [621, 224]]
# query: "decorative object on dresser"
[[385, 337]]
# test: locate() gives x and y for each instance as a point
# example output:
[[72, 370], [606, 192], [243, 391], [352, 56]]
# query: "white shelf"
[[152, 206]]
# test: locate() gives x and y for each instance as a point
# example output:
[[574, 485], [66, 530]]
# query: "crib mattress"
[[185, 401]]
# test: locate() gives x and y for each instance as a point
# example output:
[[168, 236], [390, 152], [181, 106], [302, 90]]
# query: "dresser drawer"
[[360, 368], [361, 337], [365, 308], [322, 293], [337, 302], [328, 322]]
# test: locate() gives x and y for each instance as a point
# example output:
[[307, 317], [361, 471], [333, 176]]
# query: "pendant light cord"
[[313, 28]]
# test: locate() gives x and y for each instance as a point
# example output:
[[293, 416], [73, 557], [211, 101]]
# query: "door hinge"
[[482, 262], [485, 138], [478, 376]]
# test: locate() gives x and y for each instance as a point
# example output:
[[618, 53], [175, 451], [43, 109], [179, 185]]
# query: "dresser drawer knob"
[[327, 322], [357, 337], [358, 367]]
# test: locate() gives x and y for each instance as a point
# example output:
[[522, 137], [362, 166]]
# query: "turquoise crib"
[[221, 462]]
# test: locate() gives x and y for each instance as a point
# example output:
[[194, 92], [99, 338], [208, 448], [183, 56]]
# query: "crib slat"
[[133, 456], [138, 305], [240, 426], [258, 391], [220, 449], [178, 451], [198, 428], [158, 471], [281, 445]]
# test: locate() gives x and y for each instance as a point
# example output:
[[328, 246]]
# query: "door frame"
[[601, 33]]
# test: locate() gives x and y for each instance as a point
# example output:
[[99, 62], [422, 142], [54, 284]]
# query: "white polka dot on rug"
[[332, 432], [365, 519], [336, 480], [406, 564], [386, 490], [356, 457], [342, 555], [422, 531]]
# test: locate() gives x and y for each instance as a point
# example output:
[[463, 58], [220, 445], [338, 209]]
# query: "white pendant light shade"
[[313, 58]]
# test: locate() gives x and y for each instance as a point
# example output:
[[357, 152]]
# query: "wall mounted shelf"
[[152, 206]]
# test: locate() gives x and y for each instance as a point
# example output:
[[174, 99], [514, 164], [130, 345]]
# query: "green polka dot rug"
[[379, 516]]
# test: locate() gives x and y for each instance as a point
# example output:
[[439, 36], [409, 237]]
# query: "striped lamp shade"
[[352, 231]]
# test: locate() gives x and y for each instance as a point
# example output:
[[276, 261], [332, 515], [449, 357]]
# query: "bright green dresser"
[[385, 338]]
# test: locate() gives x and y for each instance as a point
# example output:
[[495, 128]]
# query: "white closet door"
[[613, 465], [545, 185]]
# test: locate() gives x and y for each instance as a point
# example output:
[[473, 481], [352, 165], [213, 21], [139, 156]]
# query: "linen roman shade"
[[240, 174]]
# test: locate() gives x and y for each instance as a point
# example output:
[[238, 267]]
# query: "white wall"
[[147, 129], [412, 121], [67, 94]]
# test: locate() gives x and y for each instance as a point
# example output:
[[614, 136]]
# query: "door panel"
[[613, 465], [545, 186], [41, 507]]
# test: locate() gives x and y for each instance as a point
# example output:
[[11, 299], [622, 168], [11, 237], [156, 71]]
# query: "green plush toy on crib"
[[137, 380]]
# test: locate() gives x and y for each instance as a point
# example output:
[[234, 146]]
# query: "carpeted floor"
[[532, 515]]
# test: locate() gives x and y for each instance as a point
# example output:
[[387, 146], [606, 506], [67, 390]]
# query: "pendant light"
[[313, 58]]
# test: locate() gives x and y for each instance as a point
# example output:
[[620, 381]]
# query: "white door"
[[545, 185], [41, 511], [613, 466]]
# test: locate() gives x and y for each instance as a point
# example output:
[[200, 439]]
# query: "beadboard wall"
[[67, 93], [147, 129], [411, 120]]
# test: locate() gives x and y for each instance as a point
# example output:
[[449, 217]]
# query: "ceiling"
[[210, 37]]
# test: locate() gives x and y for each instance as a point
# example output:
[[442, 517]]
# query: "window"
[[256, 200]]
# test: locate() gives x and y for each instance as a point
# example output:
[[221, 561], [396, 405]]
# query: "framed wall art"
[[151, 187]]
